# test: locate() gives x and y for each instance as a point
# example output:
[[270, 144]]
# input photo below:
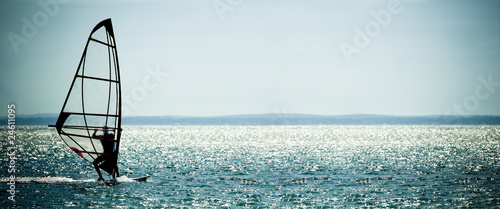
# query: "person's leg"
[[96, 166], [115, 173]]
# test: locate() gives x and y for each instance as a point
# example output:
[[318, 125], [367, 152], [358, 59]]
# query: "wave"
[[47, 179], [53, 179]]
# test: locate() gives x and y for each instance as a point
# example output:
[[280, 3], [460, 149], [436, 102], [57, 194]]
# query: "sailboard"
[[90, 120]]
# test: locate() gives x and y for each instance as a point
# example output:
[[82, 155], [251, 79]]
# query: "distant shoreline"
[[285, 119]]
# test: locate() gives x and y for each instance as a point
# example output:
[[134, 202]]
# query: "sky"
[[227, 57]]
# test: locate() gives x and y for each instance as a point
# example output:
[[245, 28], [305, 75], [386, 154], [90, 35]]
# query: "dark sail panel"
[[90, 120]]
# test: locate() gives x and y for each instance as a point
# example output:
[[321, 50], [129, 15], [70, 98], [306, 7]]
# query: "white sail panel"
[[97, 61]]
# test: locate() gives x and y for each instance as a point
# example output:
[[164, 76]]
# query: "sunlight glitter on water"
[[280, 166]]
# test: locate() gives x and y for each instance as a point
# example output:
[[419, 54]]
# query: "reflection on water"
[[267, 166]]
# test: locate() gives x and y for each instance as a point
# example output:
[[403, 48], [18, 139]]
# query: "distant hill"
[[284, 119]]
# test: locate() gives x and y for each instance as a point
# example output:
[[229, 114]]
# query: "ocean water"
[[264, 167]]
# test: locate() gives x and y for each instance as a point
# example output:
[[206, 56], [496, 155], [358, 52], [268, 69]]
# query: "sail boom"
[[86, 136], [99, 128]]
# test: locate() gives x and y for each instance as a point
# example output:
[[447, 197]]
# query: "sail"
[[90, 120]]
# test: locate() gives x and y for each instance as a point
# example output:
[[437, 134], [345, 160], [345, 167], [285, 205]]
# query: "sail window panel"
[[75, 129], [80, 145], [74, 121], [74, 102], [98, 62], [99, 149], [97, 121], [80, 131], [70, 142], [96, 96], [113, 99], [113, 67], [111, 122], [101, 35], [84, 143], [98, 146], [89, 157]]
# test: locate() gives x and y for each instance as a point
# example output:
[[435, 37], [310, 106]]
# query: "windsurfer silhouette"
[[108, 145]]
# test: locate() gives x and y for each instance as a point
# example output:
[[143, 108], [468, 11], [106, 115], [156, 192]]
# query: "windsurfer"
[[108, 145]]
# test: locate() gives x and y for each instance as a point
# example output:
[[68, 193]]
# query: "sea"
[[331, 166]]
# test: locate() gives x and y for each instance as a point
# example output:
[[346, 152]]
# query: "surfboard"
[[122, 179], [143, 178]]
